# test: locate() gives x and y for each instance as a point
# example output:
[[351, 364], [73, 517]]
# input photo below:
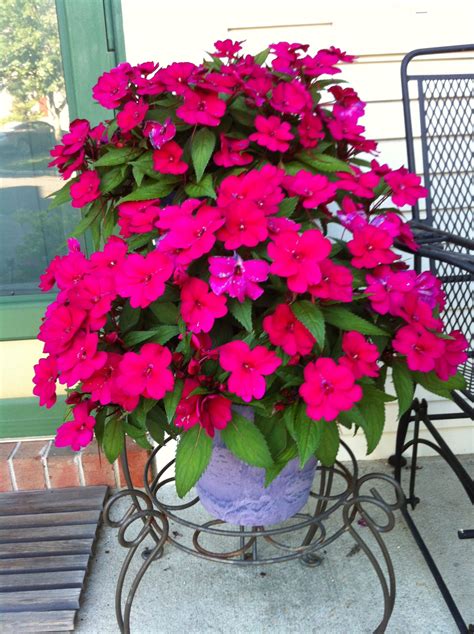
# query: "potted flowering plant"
[[244, 285]]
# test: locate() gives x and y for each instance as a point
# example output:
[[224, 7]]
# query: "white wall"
[[379, 32]]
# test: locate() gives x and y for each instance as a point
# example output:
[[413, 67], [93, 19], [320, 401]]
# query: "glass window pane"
[[33, 116]]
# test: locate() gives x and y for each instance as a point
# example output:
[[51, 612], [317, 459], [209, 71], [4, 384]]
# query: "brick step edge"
[[38, 464]]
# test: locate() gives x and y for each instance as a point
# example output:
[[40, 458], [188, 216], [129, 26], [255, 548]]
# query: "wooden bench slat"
[[43, 564], [50, 519], [47, 533], [59, 547], [60, 599], [52, 500], [41, 580], [33, 622]]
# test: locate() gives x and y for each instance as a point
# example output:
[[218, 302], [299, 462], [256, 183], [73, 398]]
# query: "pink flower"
[[286, 56], [297, 258], [176, 76], [406, 188], [59, 327], [232, 152], [79, 432], [430, 290], [272, 133], [86, 189], [227, 48], [286, 331], [247, 368], [171, 214], [260, 187], [102, 384], [131, 115], [95, 295], [314, 189], [46, 375], [420, 347], [75, 139], [203, 108], [111, 88], [236, 277], [360, 356], [81, 360], [111, 256], [370, 247], [335, 283], [211, 411], [454, 354], [159, 133], [290, 97], [348, 105], [142, 278], [323, 63], [386, 289], [361, 184], [396, 227], [137, 216], [146, 373], [310, 130], [328, 389], [414, 311], [167, 160], [199, 307], [245, 225]]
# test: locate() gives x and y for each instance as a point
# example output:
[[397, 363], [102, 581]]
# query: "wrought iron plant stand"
[[358, 507]]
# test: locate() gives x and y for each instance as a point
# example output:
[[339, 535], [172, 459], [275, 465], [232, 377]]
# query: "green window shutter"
[[92, 42]]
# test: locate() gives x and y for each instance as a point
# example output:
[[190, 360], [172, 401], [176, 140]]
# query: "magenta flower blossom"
[[245, 225], [142, 278], [79, 432], [430, 290], [328, 389], [199, 307], [297, 258], [167, 160], [360, 356], [291, 97], [59, 327], [406, 188], [313, 189], [247, 368], [420, 347], [348, 105], [361, 184], [386, 289], [75, 139], [159, 133], [286, 331], [171, 214], [370, 247], [454, 355], [137, 216], [260, 187], [310, 130], [86, 189], [201, 108], [227, 48], [112, 87], [287, 56], [414, 311], [323, 63], [132, 115], [335, 283], [272, 133], [112, 255], [102, 384], [211, 411], [236, 277], [95, 295], [146, 373], [81, 360], [175, 77], [232, 152], [46, 375]]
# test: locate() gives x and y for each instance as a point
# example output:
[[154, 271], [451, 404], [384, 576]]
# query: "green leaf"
[[287, 206], [91, 216], [172, 399], [346, 320], [246, 441], [442, 388], [329, 442], [242, 311], [312, 318], [192, 457], [118, 156], [242, 113], [161, 335], [112, 179], [155, 429], [62, 196], [372, 408], [274, 431], [165, 312], [114, 439], [140, 413], [129, 317], [404, 385], [304, 431], [274, 470], [323, 162], [203, 189], [159, 189], [260, 58], [99, 426], [202, 147], [138, 435]]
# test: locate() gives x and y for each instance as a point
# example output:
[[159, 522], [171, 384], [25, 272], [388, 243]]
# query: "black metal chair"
[[439, 108]]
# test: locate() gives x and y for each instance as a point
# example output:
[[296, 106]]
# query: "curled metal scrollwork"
[[340, 493]]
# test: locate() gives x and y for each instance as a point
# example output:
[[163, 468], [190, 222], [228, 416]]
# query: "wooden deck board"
[[46, 539]]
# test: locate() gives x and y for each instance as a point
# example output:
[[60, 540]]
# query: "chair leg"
[[397, 460]]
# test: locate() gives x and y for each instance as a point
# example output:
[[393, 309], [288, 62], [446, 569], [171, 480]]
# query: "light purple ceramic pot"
[[233, 491]]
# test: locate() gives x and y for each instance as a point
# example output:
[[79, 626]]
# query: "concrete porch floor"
[[181, 593]]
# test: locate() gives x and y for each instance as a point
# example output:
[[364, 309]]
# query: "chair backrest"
[[438, 111]]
